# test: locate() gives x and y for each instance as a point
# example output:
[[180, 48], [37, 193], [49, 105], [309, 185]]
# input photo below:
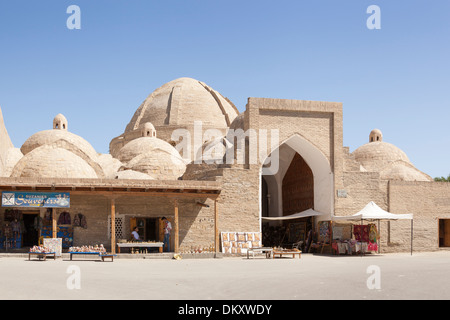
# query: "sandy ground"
[[388, 276]]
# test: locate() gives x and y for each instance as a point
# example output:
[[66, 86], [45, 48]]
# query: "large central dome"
[[177, 105], [181, 102]]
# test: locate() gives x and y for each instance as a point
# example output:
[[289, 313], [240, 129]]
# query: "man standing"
[[167, 230]]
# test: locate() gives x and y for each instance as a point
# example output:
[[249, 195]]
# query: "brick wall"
[[429, 202]]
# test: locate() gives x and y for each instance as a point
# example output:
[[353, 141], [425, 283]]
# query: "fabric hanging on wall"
[[80, 221], [357, 229], [373, 233], [64, 218]]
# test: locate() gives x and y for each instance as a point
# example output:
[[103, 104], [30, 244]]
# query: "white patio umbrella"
[[373, 212]]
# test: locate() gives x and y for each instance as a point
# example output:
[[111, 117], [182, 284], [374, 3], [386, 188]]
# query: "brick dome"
[[387, 159]]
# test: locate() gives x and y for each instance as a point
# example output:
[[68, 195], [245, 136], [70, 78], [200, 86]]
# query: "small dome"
[[149, 130], [61, 139], [388, 160], [50, 162], [402, 171], [12, 158], [60, 122], [142, 145], [159, 164], [375, 155], [152, 156], [376, 136], [48, 137], [109, 165], [133, 175]]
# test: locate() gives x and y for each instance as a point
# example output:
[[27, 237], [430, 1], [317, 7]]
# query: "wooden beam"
[[54, 227], [113, 225], [176, 227]]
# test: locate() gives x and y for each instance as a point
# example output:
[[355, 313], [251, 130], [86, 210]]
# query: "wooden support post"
[[54, 227], [113, 226], [176, 228], [216, 226]]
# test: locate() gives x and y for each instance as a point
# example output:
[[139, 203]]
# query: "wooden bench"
[[109, 256], [267, 251], [101, 255], [42, 255], [292, 252]]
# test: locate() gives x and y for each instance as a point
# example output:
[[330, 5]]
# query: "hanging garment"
[[64, 218], [16, 227], [373, 233], [361, 233], [38, 223], [47, 221], [80, 221]]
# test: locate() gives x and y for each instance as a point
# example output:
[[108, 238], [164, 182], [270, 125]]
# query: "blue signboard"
[[36, 199]]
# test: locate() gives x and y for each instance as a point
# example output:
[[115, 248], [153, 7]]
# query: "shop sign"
[[36, 199]]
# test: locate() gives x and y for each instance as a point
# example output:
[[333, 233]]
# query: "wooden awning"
[[115, 187]]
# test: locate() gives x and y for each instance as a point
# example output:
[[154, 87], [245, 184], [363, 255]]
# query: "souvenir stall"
[[366, 236], [363, 238], [322, 239], [64, 229], [297, 234], [19, 204], [12, 230]]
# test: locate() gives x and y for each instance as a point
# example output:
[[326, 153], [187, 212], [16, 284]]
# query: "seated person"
[[135, 235]]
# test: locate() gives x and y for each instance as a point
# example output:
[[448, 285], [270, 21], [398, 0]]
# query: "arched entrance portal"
[[303, 181]]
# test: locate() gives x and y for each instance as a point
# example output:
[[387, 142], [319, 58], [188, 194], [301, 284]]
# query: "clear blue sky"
[[395, 79]]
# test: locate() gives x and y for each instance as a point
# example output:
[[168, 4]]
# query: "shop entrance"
[[148, 228], [302, 181], [289, 191], [30, 236], [444, 233]]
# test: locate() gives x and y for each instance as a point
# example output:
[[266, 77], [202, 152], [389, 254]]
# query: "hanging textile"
[[80, 221], [64, 218], [38, 223], [374, 236], [361, 233]]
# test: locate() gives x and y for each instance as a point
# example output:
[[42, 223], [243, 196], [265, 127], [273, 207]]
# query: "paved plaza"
[[387, 276]]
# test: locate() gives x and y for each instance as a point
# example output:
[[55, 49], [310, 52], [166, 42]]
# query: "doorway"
[[148, 228], [444, 233], [30, 236]]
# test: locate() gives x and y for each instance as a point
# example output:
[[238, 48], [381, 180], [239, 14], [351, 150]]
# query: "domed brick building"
[[214, 184]]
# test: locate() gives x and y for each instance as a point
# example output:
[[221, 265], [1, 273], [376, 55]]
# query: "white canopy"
[[373, 212], [303, 214]]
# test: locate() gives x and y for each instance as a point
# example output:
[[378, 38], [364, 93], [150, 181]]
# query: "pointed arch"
[[320, 167]]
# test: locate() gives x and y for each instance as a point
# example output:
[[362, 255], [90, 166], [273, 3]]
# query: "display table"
[[353, 247], [159, 245], [101, 255], [42, 255], [281, 252], [266, 250]]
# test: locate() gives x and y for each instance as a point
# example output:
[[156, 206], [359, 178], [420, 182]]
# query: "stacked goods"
[[40, 249], [88, 249]]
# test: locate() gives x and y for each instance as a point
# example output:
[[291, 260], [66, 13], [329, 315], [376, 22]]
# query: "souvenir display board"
[[54, 245], [324, 231], [65, 233], [240, 242]]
